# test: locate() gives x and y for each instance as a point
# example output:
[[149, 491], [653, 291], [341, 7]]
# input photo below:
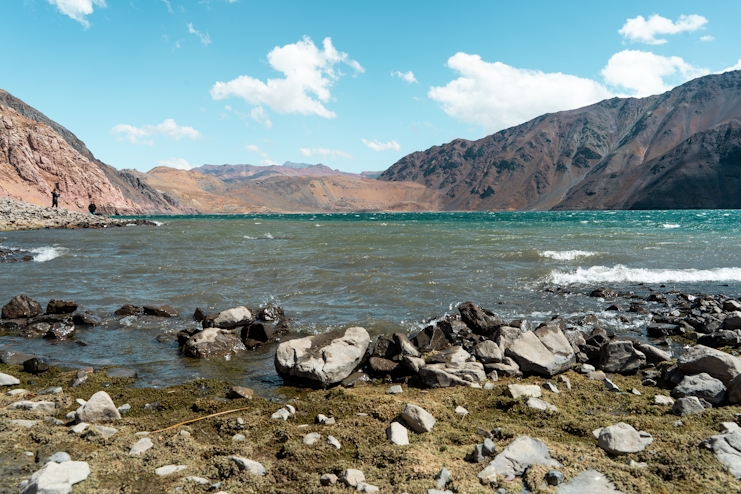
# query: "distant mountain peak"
[[297, 166]]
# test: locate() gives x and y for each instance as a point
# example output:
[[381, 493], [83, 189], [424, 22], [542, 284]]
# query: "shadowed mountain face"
[[680, 149]]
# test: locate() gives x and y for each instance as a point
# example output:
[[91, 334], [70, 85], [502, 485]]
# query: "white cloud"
[[77, 9], [382, 146], [169, 7], [309, 74], [178, 163], [735, 67], [644, 73], [269, 163], [167, 128], [707, 37], [205, 38], [324, 152], [260, 116], [496, 96], [407, 76], [640, 30]]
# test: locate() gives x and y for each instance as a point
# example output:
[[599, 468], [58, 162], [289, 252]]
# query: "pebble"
[[663, 400], [550, 387], [419, 419], [585, 369], [291, 410], [169, 470], [538, 404], [460, 411], [554, 477], [140, 446], [324, 420], [611, 386], [124, 408], [332, 441], [596, 375], [251, 466], [53, 420], [565, 380], [394, 390], [311, 438], [238, 437], [328, 479], [79, 428]]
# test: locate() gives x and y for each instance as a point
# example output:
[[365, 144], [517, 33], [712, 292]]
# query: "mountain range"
[[676, 150]]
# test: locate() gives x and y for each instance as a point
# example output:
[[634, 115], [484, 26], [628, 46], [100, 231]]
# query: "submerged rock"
[[213, 342], [22, 307], [60, 307]]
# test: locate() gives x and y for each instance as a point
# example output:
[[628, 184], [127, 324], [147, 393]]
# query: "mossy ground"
[[675, 463]]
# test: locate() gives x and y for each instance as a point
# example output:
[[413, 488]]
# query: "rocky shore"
[[17, 215], [472, 403]]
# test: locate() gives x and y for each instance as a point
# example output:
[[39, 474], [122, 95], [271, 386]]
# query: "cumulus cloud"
[[77, 9], [309, 74], [707, 37], [406, 76], [260, 116], [644, 73], [178, 163], [167, 128], [735, 67], [268, 162], [382, 146], [324, 152], [205, 38], [495, 95], [641, 30]]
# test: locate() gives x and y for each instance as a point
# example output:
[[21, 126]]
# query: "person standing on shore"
[[55, 197]]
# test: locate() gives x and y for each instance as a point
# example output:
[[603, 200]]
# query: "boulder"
[[473, 372], [8, 380], [397, 434], [505, 336], [385, 348], [702, 386], [687, 406], [213, 342], [589, 481], [732, 321], [718, 364], [517, 457], [488, 352], [21, 307], [727, 448], [86, 318], [603, 292], [60, 307], [36, 365], [653, 354], [383, 366], [532, 353], [251, 466], [129, 310], [352, 477], [405, 346], [622, 439], [619, 356], [538, 404], [324, 359], [507, 367], [57, 478], [449, 355], [418, 419], [160, 311], [721, 338], [430, 339], [99, 408], [433, 377], [518, 391], [60, 331], [231, 318], [481, 321]]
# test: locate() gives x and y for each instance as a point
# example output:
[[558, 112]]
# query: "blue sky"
[[354, 85]]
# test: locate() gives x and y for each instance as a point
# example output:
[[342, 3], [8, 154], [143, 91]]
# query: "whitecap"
[[47, 253], [624, 274], [157, 223], [248, 237], [566, 255], [671, 225], [268, 236]]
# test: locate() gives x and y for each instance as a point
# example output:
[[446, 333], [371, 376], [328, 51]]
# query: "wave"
[[566, 255], [671, 225], [623, 274], [44, 254]]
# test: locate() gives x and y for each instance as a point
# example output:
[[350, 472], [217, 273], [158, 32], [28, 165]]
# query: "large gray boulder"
[[472, 372], [653, 354], [732, 320], [213, 342], [433, 377], [231, 318], [619, 356], [688, 405], [324, 359], [718, 364], [488, 352], [518, 457], [622, 439], [703, 386], [22, 307], [545, 351], [99, 408], [481, 321], [727, 448]]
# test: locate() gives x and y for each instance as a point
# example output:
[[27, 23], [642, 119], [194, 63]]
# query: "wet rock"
[[325, 359], [231, 318], [397, 434], [430, 339], [660, 330], [604, 292], [488, 352], [517, 391], [99, 408], [238, 392], [619, 356], [60, 307], [653, 354], [213, 342], [481, 321], [251, 466], [57, 478], [589, 481], [122, 373], [687, 406], [36, 365], [129, 310], [86, 318], [160, 311], [517, 457], [21, 307], [8, 380], [167, 337], [718, 364], [702, 386], [271, 314], [418, 419], [199, 314], [622, 439], [259, 332]]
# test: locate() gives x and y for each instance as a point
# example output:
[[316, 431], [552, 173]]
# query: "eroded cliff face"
[[37, 153], [616, 154]]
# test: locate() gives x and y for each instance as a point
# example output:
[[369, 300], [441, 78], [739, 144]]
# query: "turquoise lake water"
[[386, 272]]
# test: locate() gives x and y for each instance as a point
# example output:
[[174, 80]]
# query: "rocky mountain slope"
[[280, 193], [680, 149], [36, 153], [236, 173]]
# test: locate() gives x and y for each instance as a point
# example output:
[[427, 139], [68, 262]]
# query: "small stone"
[[419, 419], [394, 390], [328, 479], [621, 439], [17, 392], [324, 420], [106, 432], [352, 477], [635, 392], [53, 420], [311, 438], [688, 405], [554, 477], [169, 470], [34, 406], [538, 404], [332, 441], [678, 423], [79, 428], [637, 464], [140, 446], [443, 477], [397, 434], [648, 382], [251, 466], [662, 400], [239, 392], [99, 408], [197, 480], [611, 386], [57, 478], [36, 365], [59, 457], [596, 375], [460, 411], [291, 410], [281, 414], [550, 387], [28, 424], [124, 408], [184, 434], [54, 390], [238, 438], [489, 386], [363, 487], [585, 369], [517, 391], [8, 380]]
